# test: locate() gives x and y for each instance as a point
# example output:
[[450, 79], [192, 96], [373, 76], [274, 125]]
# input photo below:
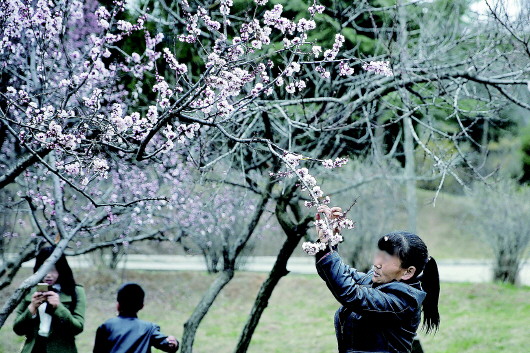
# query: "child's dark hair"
[[66, 276], [131, 298], [412, 251]]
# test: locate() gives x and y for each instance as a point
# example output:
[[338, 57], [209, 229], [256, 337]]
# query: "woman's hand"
[[36, 300], [53, 299], [331, 213]]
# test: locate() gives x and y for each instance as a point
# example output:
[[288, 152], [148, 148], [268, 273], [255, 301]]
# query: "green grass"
[[299, 318], [442, 228]]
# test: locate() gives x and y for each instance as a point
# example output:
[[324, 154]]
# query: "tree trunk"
[[191, 325], [22, 164], [410, 164], [506, 268], [410, 177], [262, 300], [294, 232], [10, 268]]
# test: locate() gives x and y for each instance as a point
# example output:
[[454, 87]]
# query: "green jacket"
[[66, 324]]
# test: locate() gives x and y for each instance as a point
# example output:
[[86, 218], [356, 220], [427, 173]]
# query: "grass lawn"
[[475, 317]]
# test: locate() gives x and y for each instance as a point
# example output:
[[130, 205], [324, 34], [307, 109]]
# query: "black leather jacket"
[[381, 318]]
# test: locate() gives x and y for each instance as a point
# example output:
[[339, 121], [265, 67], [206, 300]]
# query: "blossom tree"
[[66, 110]]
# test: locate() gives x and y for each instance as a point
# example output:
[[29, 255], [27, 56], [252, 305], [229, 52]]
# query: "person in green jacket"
[[51, 319]]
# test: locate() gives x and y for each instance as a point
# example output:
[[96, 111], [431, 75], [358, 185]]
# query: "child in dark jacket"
[[128, 334]]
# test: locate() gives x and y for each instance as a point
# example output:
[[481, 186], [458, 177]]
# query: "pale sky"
[[512, 6]]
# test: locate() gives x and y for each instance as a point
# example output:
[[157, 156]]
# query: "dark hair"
[[131, 298], [412, 251], [66, 276]]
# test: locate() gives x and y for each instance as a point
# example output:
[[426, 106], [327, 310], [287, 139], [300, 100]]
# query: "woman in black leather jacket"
[[381, 309]]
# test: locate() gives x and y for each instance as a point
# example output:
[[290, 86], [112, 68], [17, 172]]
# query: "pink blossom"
[[257, 89], [317, 49], [100, 166], [345, 69], [292, 159], [379, 67], [313, 248], [225, 7], [72, 168], [300, 85], [173, 63], [316, 9], [305, 25]]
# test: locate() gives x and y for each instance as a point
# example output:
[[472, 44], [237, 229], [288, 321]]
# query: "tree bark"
[[506, 268], [408, 141], [262, 300], [294, 232], [191, 325], [410, 177], [10, 268], [22, 165]]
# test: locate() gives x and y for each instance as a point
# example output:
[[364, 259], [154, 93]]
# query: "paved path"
[[450, 270]]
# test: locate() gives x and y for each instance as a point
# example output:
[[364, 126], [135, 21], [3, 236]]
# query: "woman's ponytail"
[[430, 281]]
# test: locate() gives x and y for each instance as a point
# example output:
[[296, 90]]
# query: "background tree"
[[498, 216]]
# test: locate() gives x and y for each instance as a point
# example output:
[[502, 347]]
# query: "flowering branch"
[[328, 228]]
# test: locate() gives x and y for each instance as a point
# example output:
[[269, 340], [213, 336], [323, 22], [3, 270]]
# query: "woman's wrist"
[[32, 309]]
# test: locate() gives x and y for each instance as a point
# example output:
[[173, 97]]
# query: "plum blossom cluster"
[[164, 92], [345, 69], [225, 7], [44, 22], [331, 54], [133, 123], [210, 24], [61, 47], [103, 17], [225, 81], [323, 72], [332, 164], [314, 9], [50, 132], [305, 25], [329, 234], [329, 229], [182, 134], [100, 166], [173, 63], [54, 138], [274, 19], [379, 67]]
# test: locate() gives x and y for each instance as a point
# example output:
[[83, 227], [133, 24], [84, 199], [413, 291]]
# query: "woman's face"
[[52, 276], [387, 268]]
